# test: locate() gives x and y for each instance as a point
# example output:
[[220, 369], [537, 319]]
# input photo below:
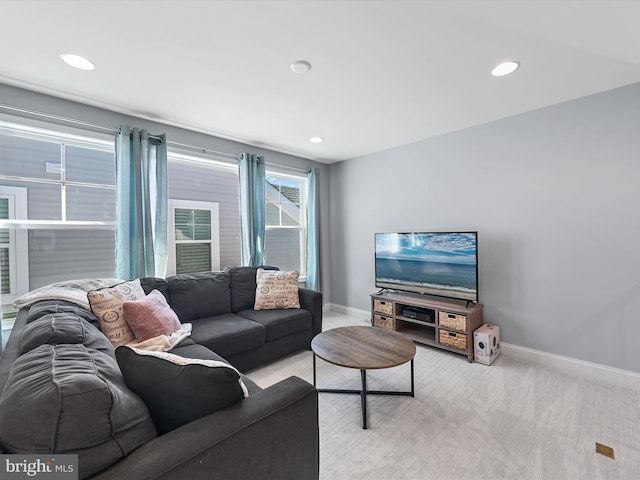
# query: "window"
[[58, 205], [194, 238], [202, 188], [14, 261], [62, 224], [285, 221], [69, 233]]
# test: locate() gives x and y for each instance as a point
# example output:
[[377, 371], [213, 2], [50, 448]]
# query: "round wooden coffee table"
[[364, 348]]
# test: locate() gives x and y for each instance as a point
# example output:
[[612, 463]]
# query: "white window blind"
[[4, 248], [194, 237]]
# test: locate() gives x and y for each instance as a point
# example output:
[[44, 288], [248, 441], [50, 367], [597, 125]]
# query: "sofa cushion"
[[43, 307], [63, 327], [194, 350], [106, 304], [228, 334], [71, 399], [197, 295], [279, 323], [276, 289], [150, 316], [149, 284], [178, 390], [243, 286]]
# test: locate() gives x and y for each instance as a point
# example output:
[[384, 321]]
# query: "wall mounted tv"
[[434, 263]]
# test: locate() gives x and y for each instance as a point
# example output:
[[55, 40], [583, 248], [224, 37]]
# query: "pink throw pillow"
[[150, 316]]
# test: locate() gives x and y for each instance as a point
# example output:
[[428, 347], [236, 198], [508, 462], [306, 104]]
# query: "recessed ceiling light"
[[77, 61], [505, 68], [301, 66], [316, 139]]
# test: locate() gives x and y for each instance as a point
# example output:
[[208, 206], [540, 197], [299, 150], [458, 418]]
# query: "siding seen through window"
[[285, 222]]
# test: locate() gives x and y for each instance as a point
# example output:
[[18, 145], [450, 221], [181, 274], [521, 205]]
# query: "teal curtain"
[[251, 170], [313, 232], [141, 205]]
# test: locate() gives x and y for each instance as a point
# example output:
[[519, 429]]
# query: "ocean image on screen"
[[433, 263]]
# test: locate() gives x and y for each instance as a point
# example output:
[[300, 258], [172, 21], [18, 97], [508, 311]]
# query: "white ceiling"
[[385, 73]]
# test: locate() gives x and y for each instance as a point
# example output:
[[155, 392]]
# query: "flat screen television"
[[444, 264]]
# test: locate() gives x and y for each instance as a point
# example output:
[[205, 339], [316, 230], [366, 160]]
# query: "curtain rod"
[[106, 128], [115, 130]]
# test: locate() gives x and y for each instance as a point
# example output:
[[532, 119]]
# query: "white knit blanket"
[[74, 291], [163, 343]]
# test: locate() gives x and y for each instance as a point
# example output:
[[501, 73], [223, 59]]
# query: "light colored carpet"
[[511, 420]]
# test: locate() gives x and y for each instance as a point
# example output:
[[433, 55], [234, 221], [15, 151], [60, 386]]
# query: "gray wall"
[[554, 195], [17, 97]]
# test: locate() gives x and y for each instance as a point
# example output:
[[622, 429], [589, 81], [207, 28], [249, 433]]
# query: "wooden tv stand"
[[450, 324]]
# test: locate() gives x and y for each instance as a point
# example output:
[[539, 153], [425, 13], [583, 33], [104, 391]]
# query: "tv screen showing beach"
[[443, 264]]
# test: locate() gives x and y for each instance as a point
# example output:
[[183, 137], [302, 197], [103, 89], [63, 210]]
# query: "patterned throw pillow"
[[276, 289], [106, 304]]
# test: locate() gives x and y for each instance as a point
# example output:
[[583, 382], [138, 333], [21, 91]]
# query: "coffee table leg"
[[363, 397], [363, 392], [412, 387]]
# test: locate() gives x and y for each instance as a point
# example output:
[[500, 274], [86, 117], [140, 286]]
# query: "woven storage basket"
[[383, 307], [382, 322], [451, 320], [453, 339]]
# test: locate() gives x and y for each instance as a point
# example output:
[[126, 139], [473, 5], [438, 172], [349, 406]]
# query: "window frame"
[[18, 243], [214, 241], [303, 227], [65, 136]]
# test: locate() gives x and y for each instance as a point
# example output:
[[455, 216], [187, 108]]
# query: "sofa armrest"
[[272, 434], [312, 301], [12, 348]]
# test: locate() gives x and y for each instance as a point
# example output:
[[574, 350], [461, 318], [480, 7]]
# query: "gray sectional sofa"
[[219, 305], [63, 388]]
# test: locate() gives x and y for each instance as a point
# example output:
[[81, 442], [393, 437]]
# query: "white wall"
[[554, 195]]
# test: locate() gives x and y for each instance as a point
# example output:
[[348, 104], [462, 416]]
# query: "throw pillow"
[[106, 304], [178, 390], [150, 316], [276, 289], [243, 286]]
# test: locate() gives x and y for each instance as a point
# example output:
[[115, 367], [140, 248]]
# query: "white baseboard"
[[591, 371], [352, 312]]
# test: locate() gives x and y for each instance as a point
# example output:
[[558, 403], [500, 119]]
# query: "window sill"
[[55, 225]]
